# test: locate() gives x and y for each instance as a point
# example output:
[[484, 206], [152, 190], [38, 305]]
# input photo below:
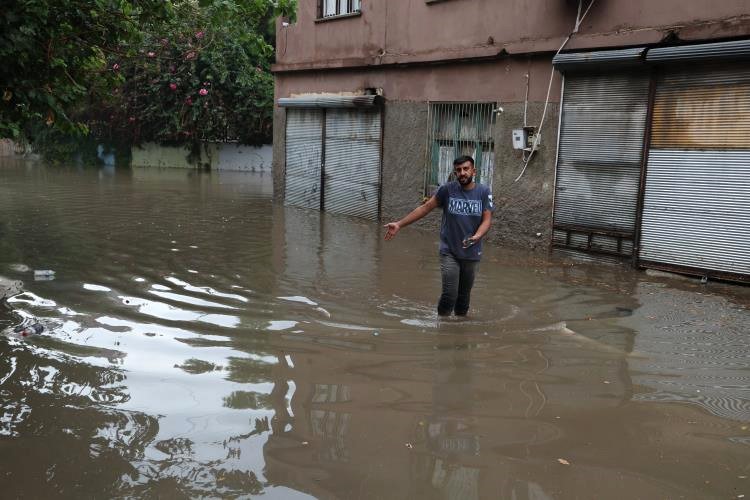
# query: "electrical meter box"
[[523, 138], [520, 140]]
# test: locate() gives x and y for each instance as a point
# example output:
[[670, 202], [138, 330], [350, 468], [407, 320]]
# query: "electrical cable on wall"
[[537, 136], [525, 108]]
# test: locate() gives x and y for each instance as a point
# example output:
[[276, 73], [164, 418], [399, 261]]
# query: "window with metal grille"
[[456, 129], [330, 8]]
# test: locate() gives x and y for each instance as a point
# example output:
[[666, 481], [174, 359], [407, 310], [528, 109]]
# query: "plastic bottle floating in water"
[[44, 275], [27, 331]]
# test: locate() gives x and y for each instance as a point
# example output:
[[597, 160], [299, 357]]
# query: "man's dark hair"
[[463, 159]]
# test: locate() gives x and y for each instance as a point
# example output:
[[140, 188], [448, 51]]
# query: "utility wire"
[[579, 20]]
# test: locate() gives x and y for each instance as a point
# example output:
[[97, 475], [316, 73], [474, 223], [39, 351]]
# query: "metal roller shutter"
[[352, 162], [599, 161], [304, 143], [696, 210]]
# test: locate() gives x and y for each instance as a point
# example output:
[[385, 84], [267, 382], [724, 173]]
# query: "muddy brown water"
[[202, 341]]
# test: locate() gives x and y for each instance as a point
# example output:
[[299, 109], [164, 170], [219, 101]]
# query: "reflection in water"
[[202, 341]]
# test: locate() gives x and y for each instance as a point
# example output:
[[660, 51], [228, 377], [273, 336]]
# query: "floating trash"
[[27, 331], [44, 275]]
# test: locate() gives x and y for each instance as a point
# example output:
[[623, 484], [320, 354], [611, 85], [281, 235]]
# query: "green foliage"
[[200, 75], [51, 51], [124, 72], [287, 9]]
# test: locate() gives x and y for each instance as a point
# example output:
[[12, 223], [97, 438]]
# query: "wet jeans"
[[458, 278]]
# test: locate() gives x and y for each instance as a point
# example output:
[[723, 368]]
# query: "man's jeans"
[[458, 278]]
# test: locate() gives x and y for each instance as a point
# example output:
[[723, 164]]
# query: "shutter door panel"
[[599, 161], [696, 211], [352, 162], [304, 142]]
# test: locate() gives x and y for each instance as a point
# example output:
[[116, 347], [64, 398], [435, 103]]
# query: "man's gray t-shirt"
[[462, 215]]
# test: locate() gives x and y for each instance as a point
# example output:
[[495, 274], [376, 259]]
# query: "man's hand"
[[392, 229], [469, 241]]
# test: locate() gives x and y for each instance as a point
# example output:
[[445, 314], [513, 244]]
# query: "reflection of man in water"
[[451, 467], [467, 214]]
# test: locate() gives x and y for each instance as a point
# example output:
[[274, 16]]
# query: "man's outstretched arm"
[[413, 216]]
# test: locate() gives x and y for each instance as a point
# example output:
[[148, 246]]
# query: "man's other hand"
[[392, 229]]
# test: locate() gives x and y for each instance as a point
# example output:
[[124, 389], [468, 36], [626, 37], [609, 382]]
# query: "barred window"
[[330, 8], [456, 129]]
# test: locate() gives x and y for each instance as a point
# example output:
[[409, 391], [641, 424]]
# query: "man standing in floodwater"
[[467, 215]]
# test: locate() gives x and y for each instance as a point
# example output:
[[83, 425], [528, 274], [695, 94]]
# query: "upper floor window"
[[330, 8]]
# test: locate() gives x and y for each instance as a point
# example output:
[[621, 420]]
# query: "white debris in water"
[[96, 288], [192, 271], [19, 268], [277, 325], [160, 287], [193, 246], [289, 361], [298, 298], [139, 280]]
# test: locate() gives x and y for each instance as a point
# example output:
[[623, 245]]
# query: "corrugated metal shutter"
[[352, 162], [696, 212], [599, 161], [304, 143]]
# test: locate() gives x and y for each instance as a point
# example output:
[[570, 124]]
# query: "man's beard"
[[466, 181]]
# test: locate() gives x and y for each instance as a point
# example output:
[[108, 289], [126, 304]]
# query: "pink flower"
[[189, 101], [151, 54], [190, 55], [115, 67], [203, 92], [173, 86], [199, 35]]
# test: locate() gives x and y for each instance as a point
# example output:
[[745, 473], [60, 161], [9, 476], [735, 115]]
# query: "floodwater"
[[202, 341]]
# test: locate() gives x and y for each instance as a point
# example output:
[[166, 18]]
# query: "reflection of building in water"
[[330, 427], [379, 419], [329, 252]]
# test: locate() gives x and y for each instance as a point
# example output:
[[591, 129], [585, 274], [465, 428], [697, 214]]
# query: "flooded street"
[[201, 340]]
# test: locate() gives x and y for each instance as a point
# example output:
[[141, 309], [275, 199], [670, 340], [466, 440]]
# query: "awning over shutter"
[[738, 49], [331, 101], [587, 60]]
